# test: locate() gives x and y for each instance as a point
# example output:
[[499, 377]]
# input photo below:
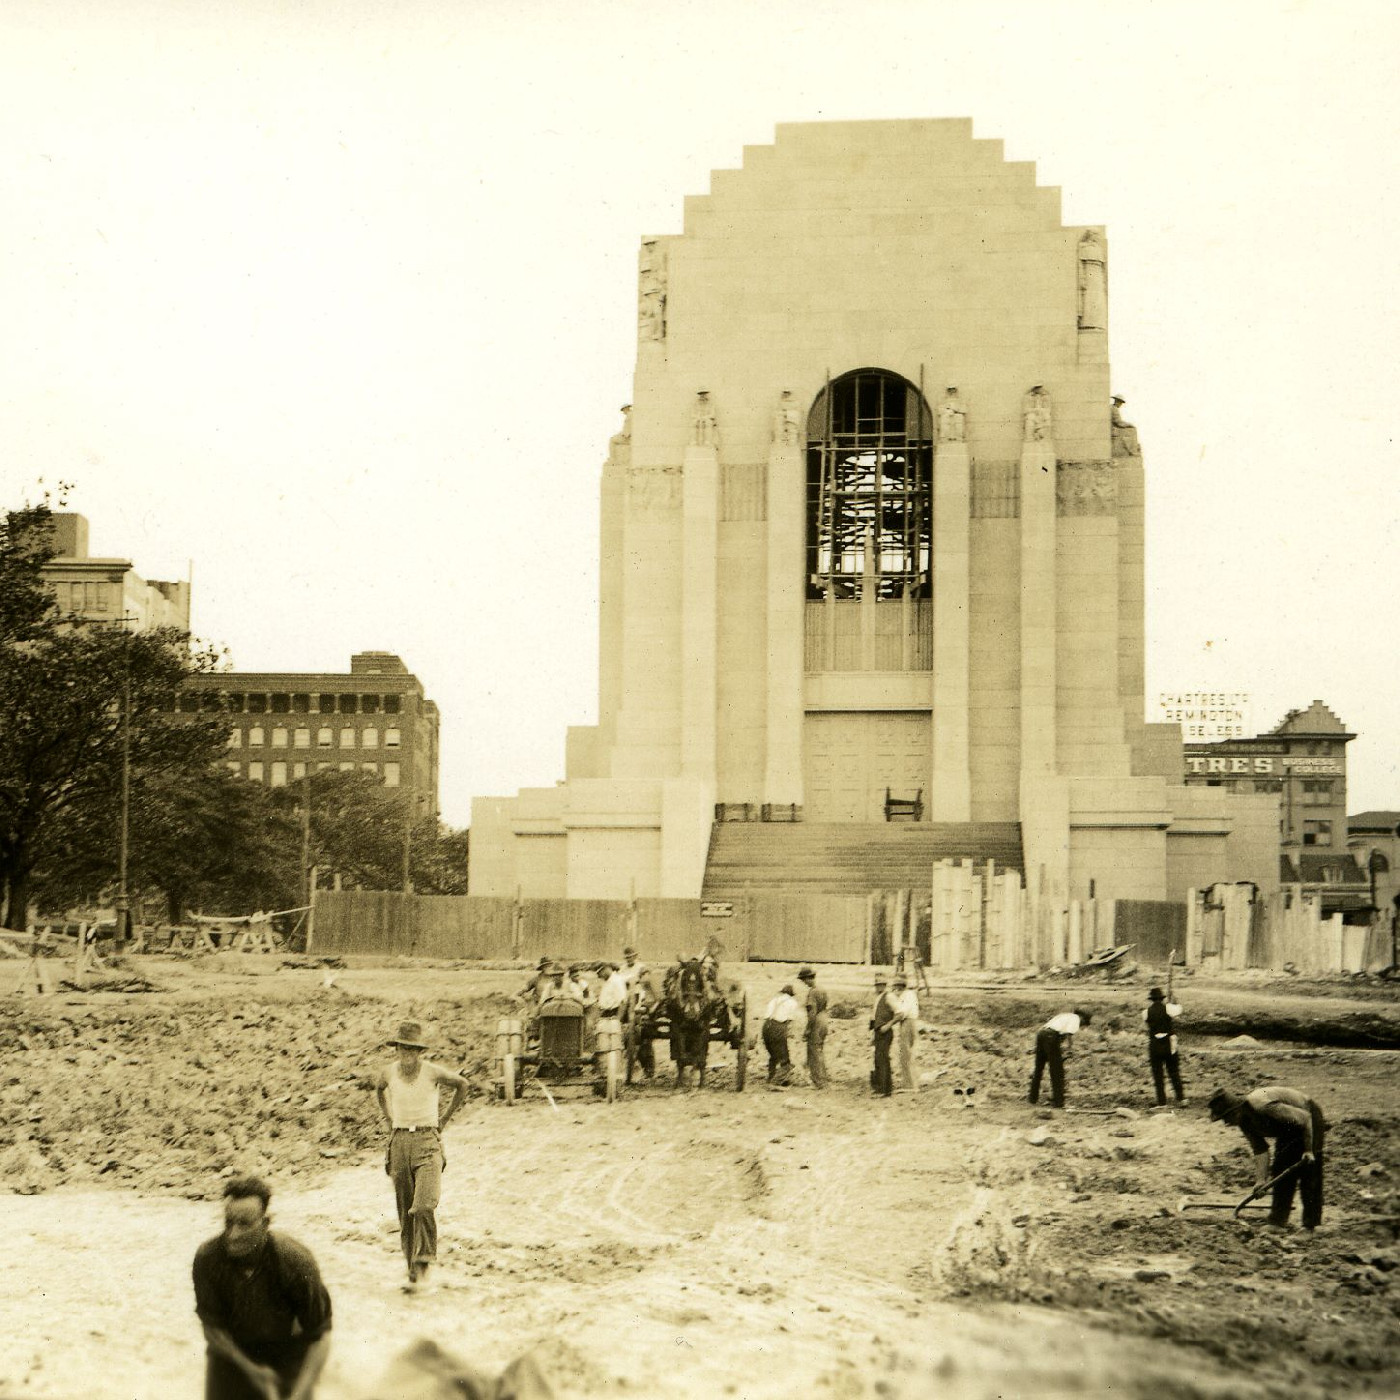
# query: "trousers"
[[906, 1033], [415, 1164], [1307, 1181], [1164, 1062], [881, 1079], [816, 1051], [1048, 1053], [775, 1041]]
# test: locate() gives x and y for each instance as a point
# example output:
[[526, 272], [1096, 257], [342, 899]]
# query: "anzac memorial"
[[872, 565]]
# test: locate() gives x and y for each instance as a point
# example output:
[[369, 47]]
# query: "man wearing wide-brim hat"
[[1296, 1125], [409, 1095]]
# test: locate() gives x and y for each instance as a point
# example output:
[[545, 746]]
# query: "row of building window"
[[216, 702], [1315, 792], [87, 597], [325, 738], [279, 774]]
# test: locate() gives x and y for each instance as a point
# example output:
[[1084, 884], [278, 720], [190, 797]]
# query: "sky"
[[331, 306]]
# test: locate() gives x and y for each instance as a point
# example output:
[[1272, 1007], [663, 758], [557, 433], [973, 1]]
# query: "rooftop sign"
[[1205, 716]]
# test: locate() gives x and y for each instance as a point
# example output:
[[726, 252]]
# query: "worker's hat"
[[806, 975], [410, 1034], [1156, 995], [900, 982], [542, 964], [1222, 1102]]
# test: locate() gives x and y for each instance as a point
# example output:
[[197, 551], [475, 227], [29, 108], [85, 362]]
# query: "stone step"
[[848, 858]]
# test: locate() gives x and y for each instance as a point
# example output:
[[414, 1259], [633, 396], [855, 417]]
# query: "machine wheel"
[[508, 1077], [741, 1051]]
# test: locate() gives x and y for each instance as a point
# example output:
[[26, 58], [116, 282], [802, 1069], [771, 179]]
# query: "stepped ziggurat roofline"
[[872, 532]]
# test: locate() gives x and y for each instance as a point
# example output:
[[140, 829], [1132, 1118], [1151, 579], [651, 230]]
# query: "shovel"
[[1248, 1200]]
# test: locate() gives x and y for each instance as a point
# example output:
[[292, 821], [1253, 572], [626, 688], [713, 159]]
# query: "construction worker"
[[1052, 1044], [408, 1097], [554, 985], [612, 991], [906, 1029], [631, 969], [643, 1011], [265, 1312], [577, 984], [882, 1019], [1160, 1019], [777, 1020], [1296, 1123], [814, 1032], [534, 988]]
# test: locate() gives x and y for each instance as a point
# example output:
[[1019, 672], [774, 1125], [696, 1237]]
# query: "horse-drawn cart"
[[692, 1014], [563, 1044]]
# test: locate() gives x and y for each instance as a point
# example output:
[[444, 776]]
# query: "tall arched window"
[[869, 457]]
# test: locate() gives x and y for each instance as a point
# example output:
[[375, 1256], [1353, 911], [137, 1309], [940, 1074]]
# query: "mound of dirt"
[[174, 1099]]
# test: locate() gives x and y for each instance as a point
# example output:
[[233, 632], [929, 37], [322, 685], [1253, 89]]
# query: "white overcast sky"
[[336, 302]]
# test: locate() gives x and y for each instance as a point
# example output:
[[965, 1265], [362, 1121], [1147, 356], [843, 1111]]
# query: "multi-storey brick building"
[[109, 590], [283, 725], [1303, 762]]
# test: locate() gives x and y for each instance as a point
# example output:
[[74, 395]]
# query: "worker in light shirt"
[[777, 1021], [613, 990], [631, 969], [1052, 1044], [906, 1029]]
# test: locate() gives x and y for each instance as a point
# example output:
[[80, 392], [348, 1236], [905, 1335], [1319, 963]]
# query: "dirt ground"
[[772, 1243]]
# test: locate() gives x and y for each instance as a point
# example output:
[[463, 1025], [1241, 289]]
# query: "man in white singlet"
[[409, 1099]]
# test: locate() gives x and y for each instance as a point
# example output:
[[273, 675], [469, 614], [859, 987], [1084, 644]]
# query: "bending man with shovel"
[[1296, 1124]]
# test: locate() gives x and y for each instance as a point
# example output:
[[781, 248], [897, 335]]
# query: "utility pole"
[[306, 839], [123, 910]]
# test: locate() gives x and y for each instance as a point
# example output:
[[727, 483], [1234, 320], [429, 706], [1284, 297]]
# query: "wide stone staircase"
[[848, 857]]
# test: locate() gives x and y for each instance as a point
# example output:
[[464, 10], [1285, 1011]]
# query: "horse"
[[693, 1003]]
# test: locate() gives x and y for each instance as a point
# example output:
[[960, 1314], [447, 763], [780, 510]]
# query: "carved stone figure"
[[1036, 414], [787, 421], [952, 417], [1093, 282], [620, 444], [706, 432], [651, 300], [654, 488], [1086, 488], [1125, 436]]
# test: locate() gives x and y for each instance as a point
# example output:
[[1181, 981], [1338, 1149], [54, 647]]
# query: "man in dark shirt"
[[882, 1019], [1296, 1124], [265, 1311], [815, 1032]]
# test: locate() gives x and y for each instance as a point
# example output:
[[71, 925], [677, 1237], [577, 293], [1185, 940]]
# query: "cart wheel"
[[508, 1077], [741, 1051], [612, 1066]]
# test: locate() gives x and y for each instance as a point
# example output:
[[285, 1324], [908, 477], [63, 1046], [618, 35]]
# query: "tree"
[[439, 856], [207, 841], [73, 695], [360, 830]]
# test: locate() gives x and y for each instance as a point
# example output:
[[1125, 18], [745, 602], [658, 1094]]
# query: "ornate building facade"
[[872, 543]]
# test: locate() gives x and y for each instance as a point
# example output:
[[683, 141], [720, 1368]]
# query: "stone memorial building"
[[872, 555]]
